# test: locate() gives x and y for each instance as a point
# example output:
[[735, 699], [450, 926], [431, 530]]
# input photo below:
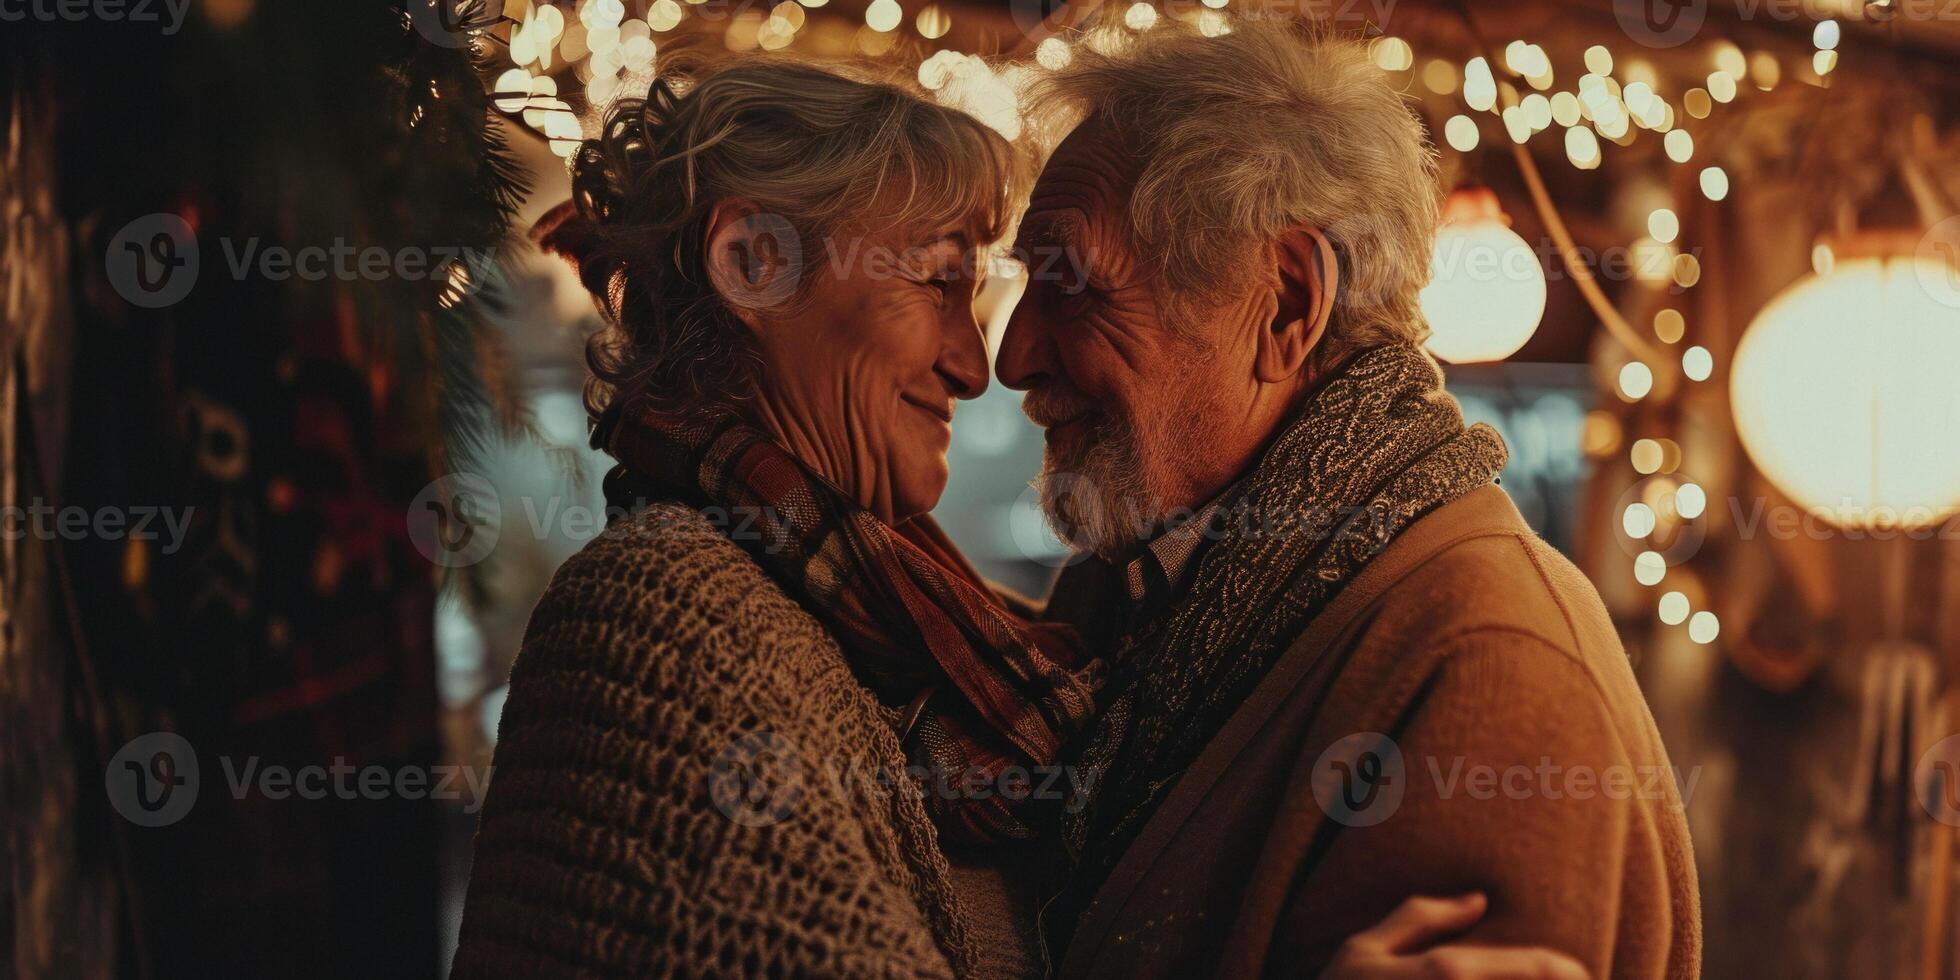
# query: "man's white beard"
[[1100, 499]]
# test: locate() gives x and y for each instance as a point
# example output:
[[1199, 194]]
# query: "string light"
[[1703, 627], [1690, 500], [1697, 363], [1636, 380], [1663, 225], [1674, 609], [1714, 183]]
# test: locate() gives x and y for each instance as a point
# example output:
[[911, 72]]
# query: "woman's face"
[[860, 381]]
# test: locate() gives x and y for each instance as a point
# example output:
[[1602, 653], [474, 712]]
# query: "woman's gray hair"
[[817, 150], [1271, 126]]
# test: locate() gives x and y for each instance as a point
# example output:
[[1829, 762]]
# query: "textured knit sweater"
[[690, 782]]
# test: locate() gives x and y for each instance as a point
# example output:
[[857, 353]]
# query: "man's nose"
[[1026, 356]]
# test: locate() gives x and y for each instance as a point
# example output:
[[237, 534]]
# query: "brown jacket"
[[1531, 769]]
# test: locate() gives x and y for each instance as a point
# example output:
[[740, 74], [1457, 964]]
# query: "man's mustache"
[[1052, 406]]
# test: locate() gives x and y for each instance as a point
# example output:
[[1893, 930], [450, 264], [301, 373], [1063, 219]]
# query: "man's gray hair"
[[1271, 126]]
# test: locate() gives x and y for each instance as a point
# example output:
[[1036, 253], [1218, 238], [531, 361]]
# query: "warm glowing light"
[[932, 22], [1645, 456], [1715, 183], [1392, 54], [1638, 521], [1721, 86], [1599, 61], [1729, 58], [1703, 627], [1690, 500], [1687, 270], [1439, 76], [1479, 88], [1697, 363], [1515, 124], [1582, 147], [1663, 225], [1669, 325], [512, 90], [1825, 36], [1461, 133], [1680, 146], [1649, 568], [1636, 380], [1764, 70], [1053, 54], [883, 15], [1565, 109], [1537, 111], [1140, 17], [1674, 608], [1822, 62], [1844, 395], [1488, 293], [664, 15]]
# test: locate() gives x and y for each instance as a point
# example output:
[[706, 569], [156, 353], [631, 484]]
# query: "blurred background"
[[293, 434]]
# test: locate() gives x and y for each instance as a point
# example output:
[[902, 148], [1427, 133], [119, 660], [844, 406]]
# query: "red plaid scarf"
[[982, 689]]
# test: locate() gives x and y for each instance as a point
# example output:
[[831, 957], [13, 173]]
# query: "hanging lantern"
[[1488, 293], [1846, 387]]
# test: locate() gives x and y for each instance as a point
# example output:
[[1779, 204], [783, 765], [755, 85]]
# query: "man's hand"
[[1409, 943]]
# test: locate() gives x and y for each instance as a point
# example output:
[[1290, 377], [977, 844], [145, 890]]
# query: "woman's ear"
[[754, 258], [1309, 272]]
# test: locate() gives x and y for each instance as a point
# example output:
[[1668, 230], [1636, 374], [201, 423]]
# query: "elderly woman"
[[747, 717]]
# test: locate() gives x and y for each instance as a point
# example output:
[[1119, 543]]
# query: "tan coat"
[[1531, 769]]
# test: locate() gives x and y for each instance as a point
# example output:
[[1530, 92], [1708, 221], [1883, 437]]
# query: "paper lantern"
[[1488, 290], [1846, 387]]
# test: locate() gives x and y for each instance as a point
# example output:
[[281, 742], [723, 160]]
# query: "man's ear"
[[1309, 272], [753, 258]]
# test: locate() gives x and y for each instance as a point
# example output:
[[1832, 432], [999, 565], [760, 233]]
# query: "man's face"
[[1138, 412]]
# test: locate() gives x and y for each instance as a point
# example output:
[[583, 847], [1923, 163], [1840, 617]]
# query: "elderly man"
[[1345, 670]]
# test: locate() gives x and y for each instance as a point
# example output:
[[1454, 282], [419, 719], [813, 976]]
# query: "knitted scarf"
[[975, 688], [1375, 448]]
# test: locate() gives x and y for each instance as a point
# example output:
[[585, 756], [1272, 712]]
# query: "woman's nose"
[[963, 358]]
